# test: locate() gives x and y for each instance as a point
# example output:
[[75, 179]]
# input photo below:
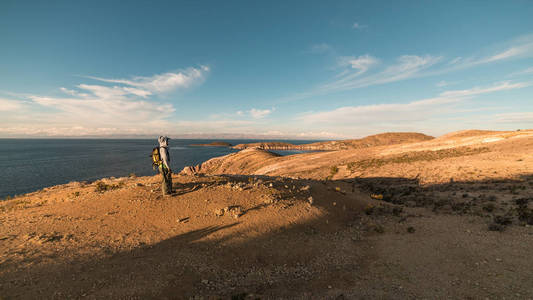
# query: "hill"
[[389, 138], [213, 144], [355, 223]]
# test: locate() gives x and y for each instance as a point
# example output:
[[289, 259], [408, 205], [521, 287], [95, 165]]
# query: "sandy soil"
[[450, 217]]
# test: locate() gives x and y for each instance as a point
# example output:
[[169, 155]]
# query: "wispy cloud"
[[517, 51], [260, 113], [521, 47], [161, 83], [361, 63], [515, 117], [523, 72], [362, 71], [406, 66], [7, 105], [399, 112], [254, 113], [357, 25], [99, 109]]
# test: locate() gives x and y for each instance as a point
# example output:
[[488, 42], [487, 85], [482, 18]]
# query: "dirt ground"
[[436, 219]]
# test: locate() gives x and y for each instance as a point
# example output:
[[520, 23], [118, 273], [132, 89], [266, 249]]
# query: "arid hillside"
[[471, 155], [382, 139], [450, 217]]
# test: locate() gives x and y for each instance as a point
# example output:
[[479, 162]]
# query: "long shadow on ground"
[[300, 260]]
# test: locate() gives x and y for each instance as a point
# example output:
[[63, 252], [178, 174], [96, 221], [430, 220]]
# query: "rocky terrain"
[[449, 217]]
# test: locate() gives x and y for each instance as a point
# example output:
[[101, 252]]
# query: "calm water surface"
[[28, 165]]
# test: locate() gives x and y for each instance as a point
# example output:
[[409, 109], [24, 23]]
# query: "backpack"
[[156, 157]]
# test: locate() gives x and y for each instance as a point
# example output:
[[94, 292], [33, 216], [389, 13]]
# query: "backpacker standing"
[[164, 166]]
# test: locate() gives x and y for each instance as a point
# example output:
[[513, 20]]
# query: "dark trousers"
[[166, 184]]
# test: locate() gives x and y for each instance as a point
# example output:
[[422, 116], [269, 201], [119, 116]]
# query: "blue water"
[[28, 165]]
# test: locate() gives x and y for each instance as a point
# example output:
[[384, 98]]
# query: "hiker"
[[164, 165]]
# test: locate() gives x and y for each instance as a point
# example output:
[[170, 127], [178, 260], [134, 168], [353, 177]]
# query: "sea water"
[[28, 165]]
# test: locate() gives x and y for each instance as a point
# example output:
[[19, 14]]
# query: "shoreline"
[[372, 208]]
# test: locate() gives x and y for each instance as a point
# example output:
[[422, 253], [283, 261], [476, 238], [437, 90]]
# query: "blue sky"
[[271, 69]]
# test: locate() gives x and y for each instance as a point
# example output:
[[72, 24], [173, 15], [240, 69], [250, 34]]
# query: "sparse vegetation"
[[333, 170], [525, 214], [414, 157], [102, 187], [14, 204]]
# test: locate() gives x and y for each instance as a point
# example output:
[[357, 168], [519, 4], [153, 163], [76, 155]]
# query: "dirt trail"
[[398, 221]]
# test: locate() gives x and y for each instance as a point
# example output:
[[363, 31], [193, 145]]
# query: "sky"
[[263, 69]]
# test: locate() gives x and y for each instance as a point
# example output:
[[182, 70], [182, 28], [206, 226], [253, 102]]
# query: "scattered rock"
[[496, 227], [310, 200], [502, 220], [268, 200], [376, 196], [379, 228], [219, 212]]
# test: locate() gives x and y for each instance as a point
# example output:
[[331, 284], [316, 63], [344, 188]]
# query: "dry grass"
[[102, 187], [414, 157]]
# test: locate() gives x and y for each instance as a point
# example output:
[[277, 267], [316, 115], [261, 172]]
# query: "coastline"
[[375, 206]]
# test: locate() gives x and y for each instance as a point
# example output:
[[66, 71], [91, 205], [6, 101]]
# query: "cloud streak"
[[99, 109], [260, 113], [406, 66], [401, 112], [361, 71], [358, 26], [162, 83]]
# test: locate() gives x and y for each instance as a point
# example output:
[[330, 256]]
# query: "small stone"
[[310, 200], [305, 188], [219, 212], [498, 259], [410, 229], [334, 203]]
